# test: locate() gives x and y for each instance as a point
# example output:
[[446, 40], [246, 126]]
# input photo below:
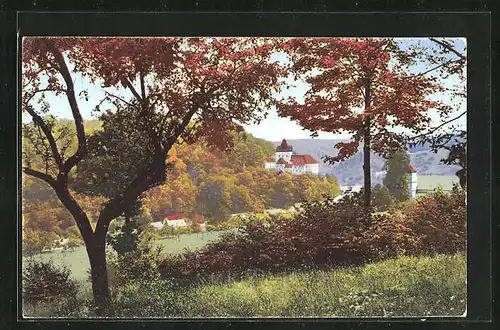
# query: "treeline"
[[203, 180]]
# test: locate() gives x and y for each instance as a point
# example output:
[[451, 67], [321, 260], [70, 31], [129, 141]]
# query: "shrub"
[[433, 224], [322, 232], [439, 221], [325, 233], [389, 236], [139, 264], [43, 282]]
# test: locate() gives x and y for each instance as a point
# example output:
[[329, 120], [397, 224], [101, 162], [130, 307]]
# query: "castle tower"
[[285, 151], [412, 181]]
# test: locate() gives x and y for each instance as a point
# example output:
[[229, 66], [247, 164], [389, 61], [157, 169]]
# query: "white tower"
[[413, 181]]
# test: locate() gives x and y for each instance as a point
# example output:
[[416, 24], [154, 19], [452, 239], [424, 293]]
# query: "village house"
[[175, 221], [286, 160], [157, 224]]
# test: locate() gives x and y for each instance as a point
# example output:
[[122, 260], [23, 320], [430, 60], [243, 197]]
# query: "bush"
[[139, 264], [439, 222], [433, 224], [326, 233], [389, 236], [43, 282], [322, 232]]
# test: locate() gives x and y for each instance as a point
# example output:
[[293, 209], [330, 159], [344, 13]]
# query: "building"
[[286, 160], [157, 224], [175, 221], [412, 181]]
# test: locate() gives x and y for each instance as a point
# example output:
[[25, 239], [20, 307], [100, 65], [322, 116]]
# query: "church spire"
[[284, 147]]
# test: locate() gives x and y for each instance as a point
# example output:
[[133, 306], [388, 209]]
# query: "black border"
[[473, 26]]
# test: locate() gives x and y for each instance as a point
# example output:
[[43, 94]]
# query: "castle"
[[285, 160]]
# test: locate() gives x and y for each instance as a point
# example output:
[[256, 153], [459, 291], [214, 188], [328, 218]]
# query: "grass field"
[[78, 263], [403, 287]]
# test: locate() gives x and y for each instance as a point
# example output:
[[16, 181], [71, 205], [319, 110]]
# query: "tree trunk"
[[99, 273], [95, 246], [366, 166], [366, 152]]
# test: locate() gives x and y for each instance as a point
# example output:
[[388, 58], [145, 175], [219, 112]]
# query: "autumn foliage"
[[352, 79], [181, 89], [361, 86], [330, 234]]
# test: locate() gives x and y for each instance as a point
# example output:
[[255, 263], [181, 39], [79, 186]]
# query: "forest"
[[203, 180]]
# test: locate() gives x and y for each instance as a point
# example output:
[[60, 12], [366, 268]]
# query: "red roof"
[[269, 159], [288, 165], [411, 169], [175, 217], [281, 161], [303, 160]]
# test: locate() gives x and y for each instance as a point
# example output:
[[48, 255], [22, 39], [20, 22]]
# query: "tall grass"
[[403, 287]]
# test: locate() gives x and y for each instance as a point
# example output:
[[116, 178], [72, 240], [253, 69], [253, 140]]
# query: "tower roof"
[[411, 169], [284, 147]]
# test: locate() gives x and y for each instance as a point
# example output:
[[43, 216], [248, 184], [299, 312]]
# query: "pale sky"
[[273, 128]]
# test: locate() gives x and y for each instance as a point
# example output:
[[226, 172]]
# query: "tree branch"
[[45, 177], [148, 176], [38, 120], [26, 101], [70, 93], [128, 84], [143, 86], [448, 47], [120, 98], [437, 127], [437, 67]]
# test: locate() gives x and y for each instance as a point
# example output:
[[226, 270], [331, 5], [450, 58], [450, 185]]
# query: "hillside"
[[350, 171]]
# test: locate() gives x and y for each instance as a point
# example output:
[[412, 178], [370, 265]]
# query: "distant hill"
[[350, 171]]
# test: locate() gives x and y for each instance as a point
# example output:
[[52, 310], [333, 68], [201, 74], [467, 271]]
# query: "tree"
[[362, 86], [180, 89], [176, 196], [382, 199], [397, 178], [214, 198], [454, 140]]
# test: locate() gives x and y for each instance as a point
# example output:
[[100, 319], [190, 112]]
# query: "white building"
[[176, 221], [285, 160], [157, 224], [413, 181]]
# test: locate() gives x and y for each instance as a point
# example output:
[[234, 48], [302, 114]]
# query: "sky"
[[273, 128]]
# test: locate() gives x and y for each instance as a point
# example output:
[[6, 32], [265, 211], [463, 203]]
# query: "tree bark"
[[99, 274], [366, 166], [366, 153], [95, 246]]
